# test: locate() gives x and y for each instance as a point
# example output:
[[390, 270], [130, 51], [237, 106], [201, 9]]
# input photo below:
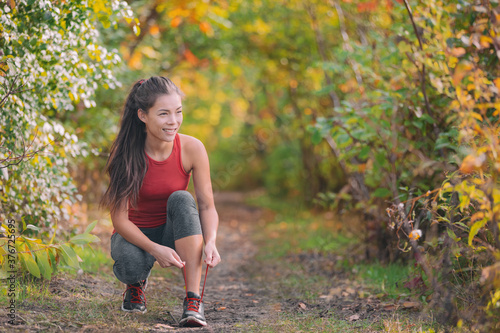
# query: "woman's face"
[[164, 117]]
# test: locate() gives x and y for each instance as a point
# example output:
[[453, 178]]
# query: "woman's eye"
[[180, 111]]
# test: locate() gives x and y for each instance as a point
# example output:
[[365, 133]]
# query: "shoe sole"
[[192, 322], [132, 311]]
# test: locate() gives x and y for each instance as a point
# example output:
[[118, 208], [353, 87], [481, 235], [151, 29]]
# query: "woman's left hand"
[[212, 257]]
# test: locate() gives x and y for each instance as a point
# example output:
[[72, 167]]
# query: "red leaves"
[[367, 6]]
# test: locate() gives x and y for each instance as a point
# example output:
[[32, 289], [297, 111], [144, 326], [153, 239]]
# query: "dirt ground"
[[241, 294]]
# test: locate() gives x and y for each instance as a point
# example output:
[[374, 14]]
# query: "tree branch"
[[422, 72]]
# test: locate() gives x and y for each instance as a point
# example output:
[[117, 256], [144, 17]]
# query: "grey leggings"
[[133, 264]]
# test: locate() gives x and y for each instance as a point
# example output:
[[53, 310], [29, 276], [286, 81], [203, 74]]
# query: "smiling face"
[[164, 118]]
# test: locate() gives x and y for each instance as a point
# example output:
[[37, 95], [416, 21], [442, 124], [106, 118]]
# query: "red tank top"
[[162, 179]]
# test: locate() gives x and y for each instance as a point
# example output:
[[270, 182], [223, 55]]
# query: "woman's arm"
[[164, 255], [204, 195]]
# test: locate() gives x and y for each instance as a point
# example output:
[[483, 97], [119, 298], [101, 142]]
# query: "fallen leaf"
[[255, 301], [353, 317], [411, 305], [388, 307], [160, 326], [350, 290], [221, 308], [302, 306], [335, 291]]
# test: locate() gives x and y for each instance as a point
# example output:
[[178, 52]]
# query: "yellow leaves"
[[485, 41], [260, 27], [383, 19], [179, 12], [452, 62], [473, 163], [476, 116], [100, 6], [475, 229], [150, 52], [136, 28]]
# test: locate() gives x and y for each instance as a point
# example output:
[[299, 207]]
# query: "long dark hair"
[[126, 164]]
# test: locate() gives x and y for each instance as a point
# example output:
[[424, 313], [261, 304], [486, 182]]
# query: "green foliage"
[[52, 63]]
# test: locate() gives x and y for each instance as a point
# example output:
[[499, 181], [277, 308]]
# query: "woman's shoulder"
[[190, 143]]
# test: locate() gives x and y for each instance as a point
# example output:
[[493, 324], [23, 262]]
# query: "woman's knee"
[[132, 264], [180, 201], [182, 215], [180, 197]]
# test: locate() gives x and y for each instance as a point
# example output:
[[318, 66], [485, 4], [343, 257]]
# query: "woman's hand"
[[167, 257], [212, 257]]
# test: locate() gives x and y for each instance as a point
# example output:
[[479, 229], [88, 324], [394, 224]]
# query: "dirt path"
[[232, 300]]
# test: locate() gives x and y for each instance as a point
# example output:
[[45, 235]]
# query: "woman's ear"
[[142, 115]]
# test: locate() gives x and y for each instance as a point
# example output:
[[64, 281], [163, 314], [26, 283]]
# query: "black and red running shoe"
[[134, 299], [194, 313]]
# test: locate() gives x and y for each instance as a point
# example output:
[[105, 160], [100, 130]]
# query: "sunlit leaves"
[[41, 258]]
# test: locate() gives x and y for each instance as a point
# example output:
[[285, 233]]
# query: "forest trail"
[[242, 294]]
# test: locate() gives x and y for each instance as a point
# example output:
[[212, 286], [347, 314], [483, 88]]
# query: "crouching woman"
[[154, 217]]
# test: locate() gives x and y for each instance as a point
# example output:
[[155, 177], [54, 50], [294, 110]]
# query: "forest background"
[[385, 108]]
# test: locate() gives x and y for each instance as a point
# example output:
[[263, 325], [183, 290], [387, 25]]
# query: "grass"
[[94, 260], [386, 279]]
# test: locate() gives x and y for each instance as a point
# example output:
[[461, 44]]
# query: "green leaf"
[[43, 263], [382, 192], [32, 227], [69, 255], [452, 235], [30, 264], [381, 159], [84, 239], [316, 137], [363, 154], [90, 227], [53, 260]]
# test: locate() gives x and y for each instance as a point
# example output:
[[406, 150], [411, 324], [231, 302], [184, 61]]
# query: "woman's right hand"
[[167, 256]]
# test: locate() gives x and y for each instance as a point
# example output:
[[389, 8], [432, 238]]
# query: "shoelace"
[[136, 296], [194, 303]]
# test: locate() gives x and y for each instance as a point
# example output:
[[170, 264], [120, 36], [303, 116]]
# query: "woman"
[[154, 217]]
